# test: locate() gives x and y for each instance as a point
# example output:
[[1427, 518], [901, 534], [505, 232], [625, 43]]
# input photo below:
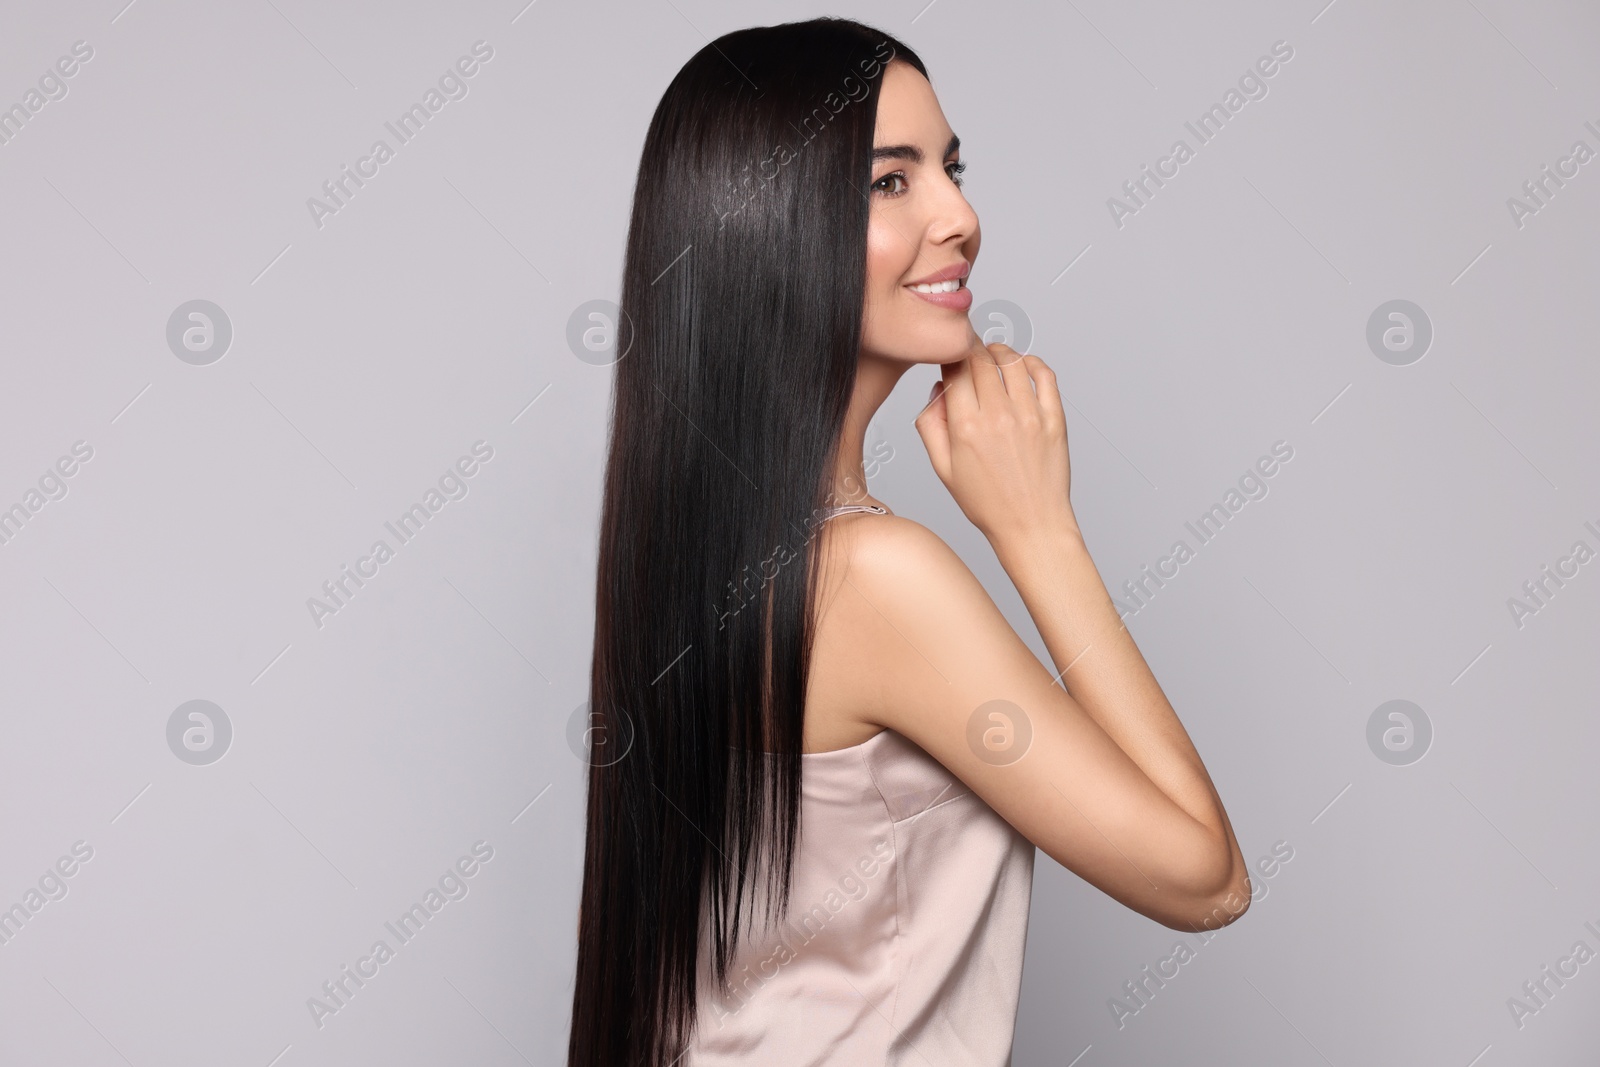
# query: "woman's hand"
[[998, 441]]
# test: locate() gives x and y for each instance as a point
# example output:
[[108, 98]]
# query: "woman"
[[822, 759]]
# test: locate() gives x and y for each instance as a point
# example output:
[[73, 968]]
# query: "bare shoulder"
[[866, 563], [906, 574], [890, 554], [887, 566], [901, 619]]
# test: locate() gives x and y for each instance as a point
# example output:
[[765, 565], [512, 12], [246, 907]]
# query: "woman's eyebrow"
[[910, 151]]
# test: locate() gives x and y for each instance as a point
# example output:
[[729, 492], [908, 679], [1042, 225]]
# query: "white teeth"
[[939, 287]]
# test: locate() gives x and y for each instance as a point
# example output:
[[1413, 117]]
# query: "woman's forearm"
[[1102, 668]]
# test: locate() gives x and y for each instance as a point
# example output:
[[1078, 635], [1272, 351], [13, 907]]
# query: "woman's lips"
[[960, 300]]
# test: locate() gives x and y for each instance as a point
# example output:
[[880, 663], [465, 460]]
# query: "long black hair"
[[742, 299]]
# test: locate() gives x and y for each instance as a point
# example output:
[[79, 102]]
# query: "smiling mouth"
[[951, 294], [939, 287]]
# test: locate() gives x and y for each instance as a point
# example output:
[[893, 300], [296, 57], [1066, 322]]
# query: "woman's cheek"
[[887, 258]]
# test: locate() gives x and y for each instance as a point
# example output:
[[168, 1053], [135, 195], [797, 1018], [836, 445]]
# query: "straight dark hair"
[[742, 299]]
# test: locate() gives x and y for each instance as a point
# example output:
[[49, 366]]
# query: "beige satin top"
[[904, 939]]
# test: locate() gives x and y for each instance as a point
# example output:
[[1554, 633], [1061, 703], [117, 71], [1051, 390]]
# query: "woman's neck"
[[875, 379]]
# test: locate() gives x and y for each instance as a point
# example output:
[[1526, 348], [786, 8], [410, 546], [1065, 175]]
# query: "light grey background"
[[429, 713]]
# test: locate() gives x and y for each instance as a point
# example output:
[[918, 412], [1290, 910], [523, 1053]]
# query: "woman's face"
[[921, 227]]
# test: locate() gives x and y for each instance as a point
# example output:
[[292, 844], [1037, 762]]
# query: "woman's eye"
[[894, 183], [881, 186]]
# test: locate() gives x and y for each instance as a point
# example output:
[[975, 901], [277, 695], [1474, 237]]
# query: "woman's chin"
[[935, 347], [951, 345], [959, 348]]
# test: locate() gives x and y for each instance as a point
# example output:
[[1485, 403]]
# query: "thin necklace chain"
[[845, 509]]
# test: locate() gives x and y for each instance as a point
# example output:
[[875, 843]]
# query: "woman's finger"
[[1013, 371], [933, 426], [959, 397], [1044, 384], [986, 383]]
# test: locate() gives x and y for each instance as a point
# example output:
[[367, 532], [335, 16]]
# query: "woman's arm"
[[1108, 783], [1106, 674]]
